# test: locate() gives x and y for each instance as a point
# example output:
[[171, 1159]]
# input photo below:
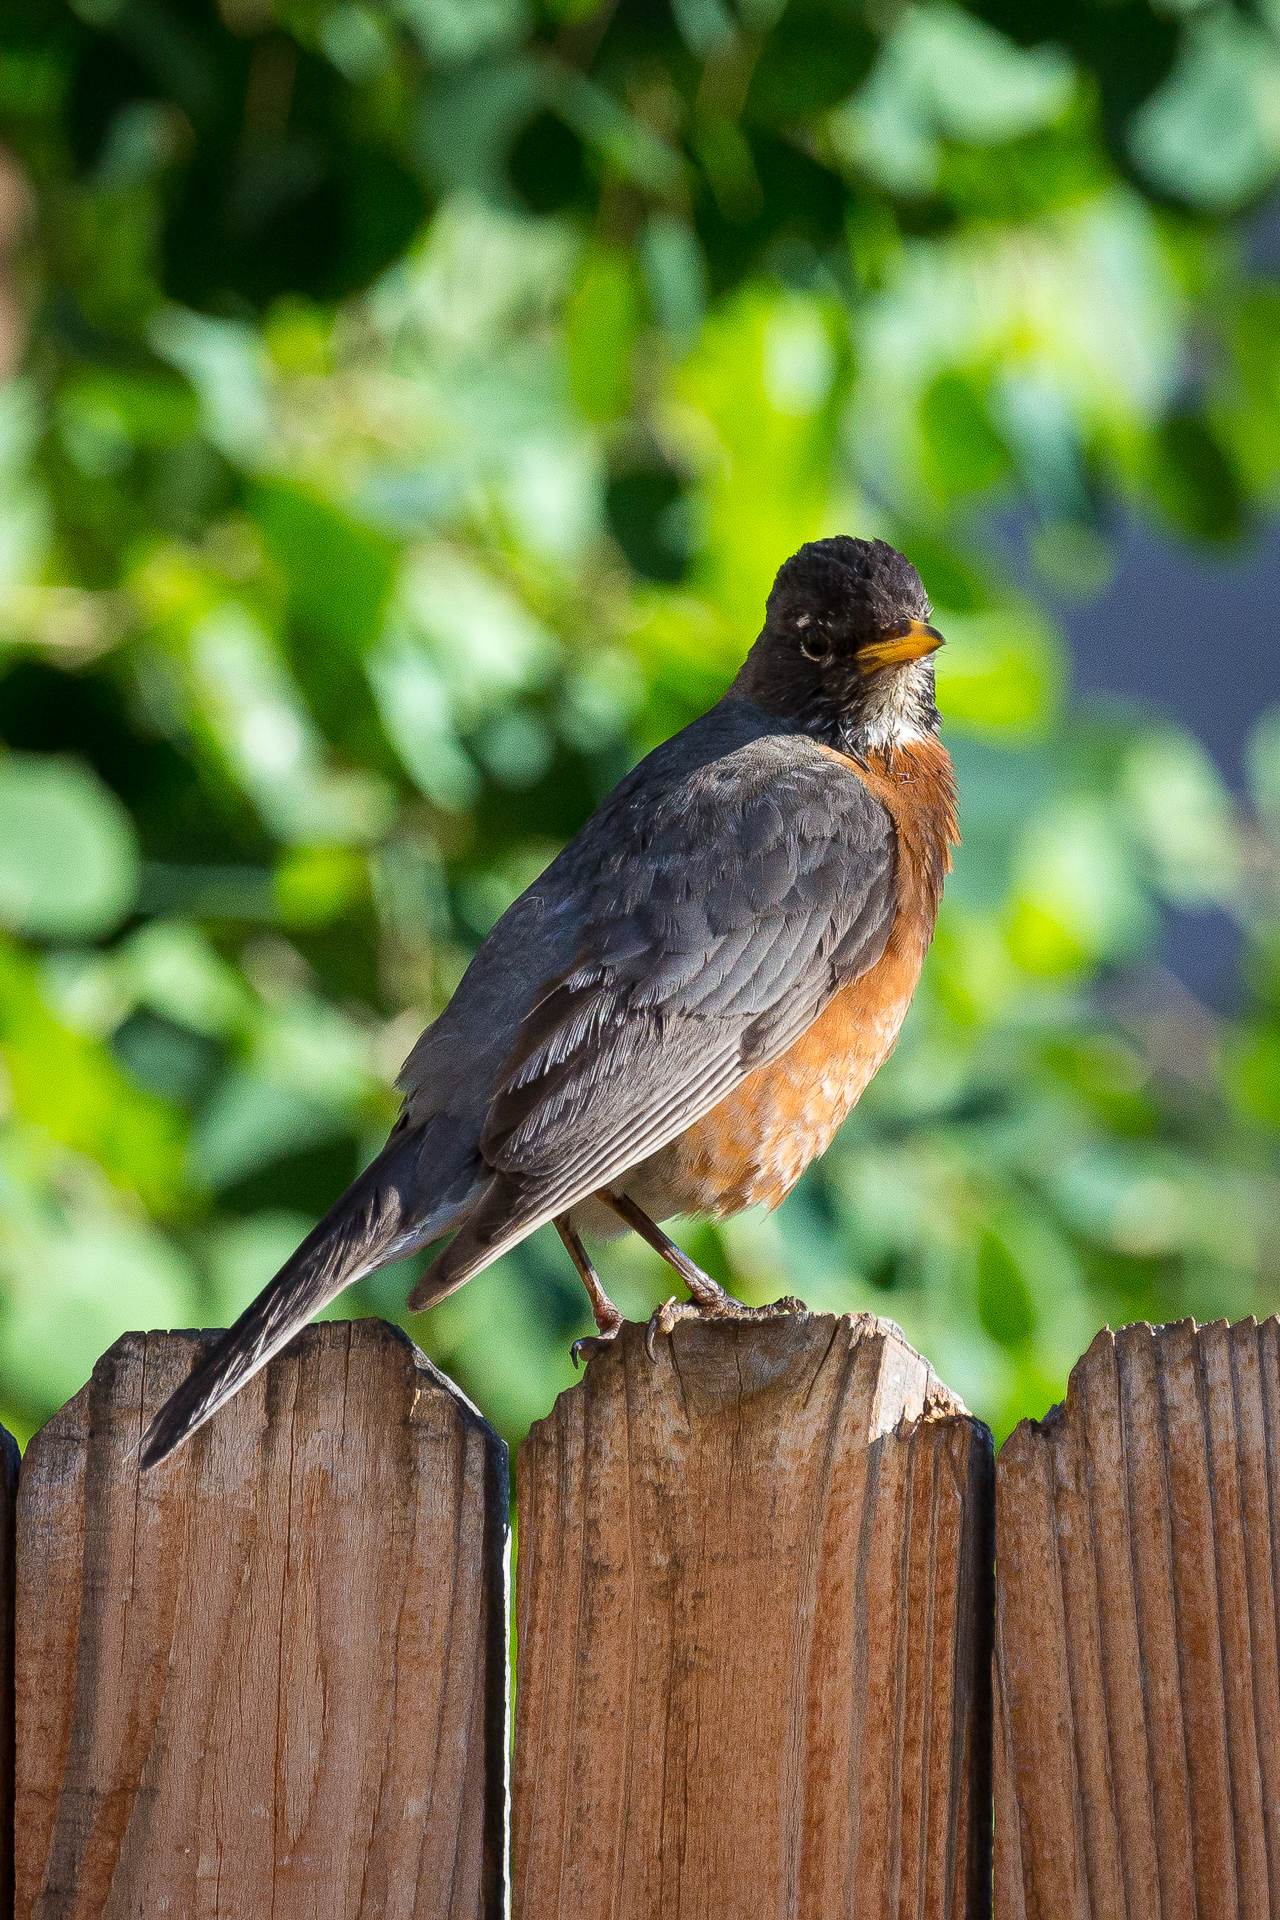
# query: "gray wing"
[[719, 916]]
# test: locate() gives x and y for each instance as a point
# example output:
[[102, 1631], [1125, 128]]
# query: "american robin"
[[677, 1016]]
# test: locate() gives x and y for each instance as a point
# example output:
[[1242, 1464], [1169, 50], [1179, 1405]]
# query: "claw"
[[590, 1345], [664, 1319]]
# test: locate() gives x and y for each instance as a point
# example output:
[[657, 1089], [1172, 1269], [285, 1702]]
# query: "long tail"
[[374, 1220]]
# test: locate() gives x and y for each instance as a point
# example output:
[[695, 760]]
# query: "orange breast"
[[754, 1146]]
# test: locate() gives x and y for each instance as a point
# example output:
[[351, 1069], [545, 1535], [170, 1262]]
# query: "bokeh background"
[[406, 404]]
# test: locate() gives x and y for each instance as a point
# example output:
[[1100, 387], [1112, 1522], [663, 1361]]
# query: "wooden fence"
[[769, 1586]]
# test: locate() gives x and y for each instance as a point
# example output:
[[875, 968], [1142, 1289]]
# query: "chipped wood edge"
[[911, 1391]]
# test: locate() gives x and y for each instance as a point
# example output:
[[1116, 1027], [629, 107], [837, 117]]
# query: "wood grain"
[[754, 1634], [267, 1678], [1138, 1684], [8, 1500]]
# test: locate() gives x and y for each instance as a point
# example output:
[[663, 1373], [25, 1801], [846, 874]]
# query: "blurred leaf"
[[1132, 1199], [1001, 674], [1262, 758], [815, 55], [1252, 422], [758, 416], [1184, 815], [1077, 899], [1254, 1068], [413, 700], [622, 139], [983, 88], [456, 30], [481, 641], [104, 417], [227, 367], [317, 885], [405, 407], [943, 75], [301, 1043], [972, 970], [68, 1298], [242, 1255], [1005, 1303], [66, 1084], [340, 572], [1193, 479], [601, 326], [1211, 134], [68, 858], [258, 726], [961, 443], [172, 968], [253, 1120]]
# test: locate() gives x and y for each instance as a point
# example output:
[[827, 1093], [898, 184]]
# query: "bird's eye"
[[815, 646]]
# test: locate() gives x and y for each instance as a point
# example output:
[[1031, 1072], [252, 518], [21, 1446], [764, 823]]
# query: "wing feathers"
[[739, 935]]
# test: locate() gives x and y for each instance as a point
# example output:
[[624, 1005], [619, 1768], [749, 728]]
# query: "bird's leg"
[[607, 1318], [710, 1301]]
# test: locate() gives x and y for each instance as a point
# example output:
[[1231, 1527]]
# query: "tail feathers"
[[372, 1222], [501, 1217]]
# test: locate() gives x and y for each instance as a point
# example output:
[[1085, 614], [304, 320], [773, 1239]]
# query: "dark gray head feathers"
[[856, 589], [830, 601]]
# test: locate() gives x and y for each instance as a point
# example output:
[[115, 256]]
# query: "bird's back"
[[641, 830]]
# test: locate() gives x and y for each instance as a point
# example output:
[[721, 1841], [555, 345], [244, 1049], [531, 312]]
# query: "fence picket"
[[268, 1677], [754, 1634], [1137, 1665]]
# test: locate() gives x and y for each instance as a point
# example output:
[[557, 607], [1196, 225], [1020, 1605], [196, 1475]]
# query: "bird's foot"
[[593, 1343], [722, 1307], [607, 1318]]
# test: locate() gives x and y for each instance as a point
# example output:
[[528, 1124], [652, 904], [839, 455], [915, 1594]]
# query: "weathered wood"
[[754, 1591], [1138, 1683], [268, 1677], [8, 1499]]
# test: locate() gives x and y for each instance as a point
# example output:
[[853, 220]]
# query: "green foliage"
[[416, 400]]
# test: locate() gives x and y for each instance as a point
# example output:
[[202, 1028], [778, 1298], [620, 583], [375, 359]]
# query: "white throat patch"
[[893, 706]]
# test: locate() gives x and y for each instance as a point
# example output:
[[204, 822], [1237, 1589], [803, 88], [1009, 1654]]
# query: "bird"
[[677, 1015]]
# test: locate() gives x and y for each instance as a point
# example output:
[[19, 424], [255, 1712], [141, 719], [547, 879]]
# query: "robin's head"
[[846, 646]]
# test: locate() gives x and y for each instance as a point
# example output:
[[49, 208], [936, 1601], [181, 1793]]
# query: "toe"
[[590, 1345]]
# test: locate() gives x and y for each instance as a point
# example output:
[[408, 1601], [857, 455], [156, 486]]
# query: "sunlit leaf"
[[68, 857], [1001, 673], [1183, 812], [67, 1083], [69, 1296], [253, 1121], [1076, 899], [1211, 134]]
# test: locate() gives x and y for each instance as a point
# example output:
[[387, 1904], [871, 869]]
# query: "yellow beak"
[[911, 641]]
